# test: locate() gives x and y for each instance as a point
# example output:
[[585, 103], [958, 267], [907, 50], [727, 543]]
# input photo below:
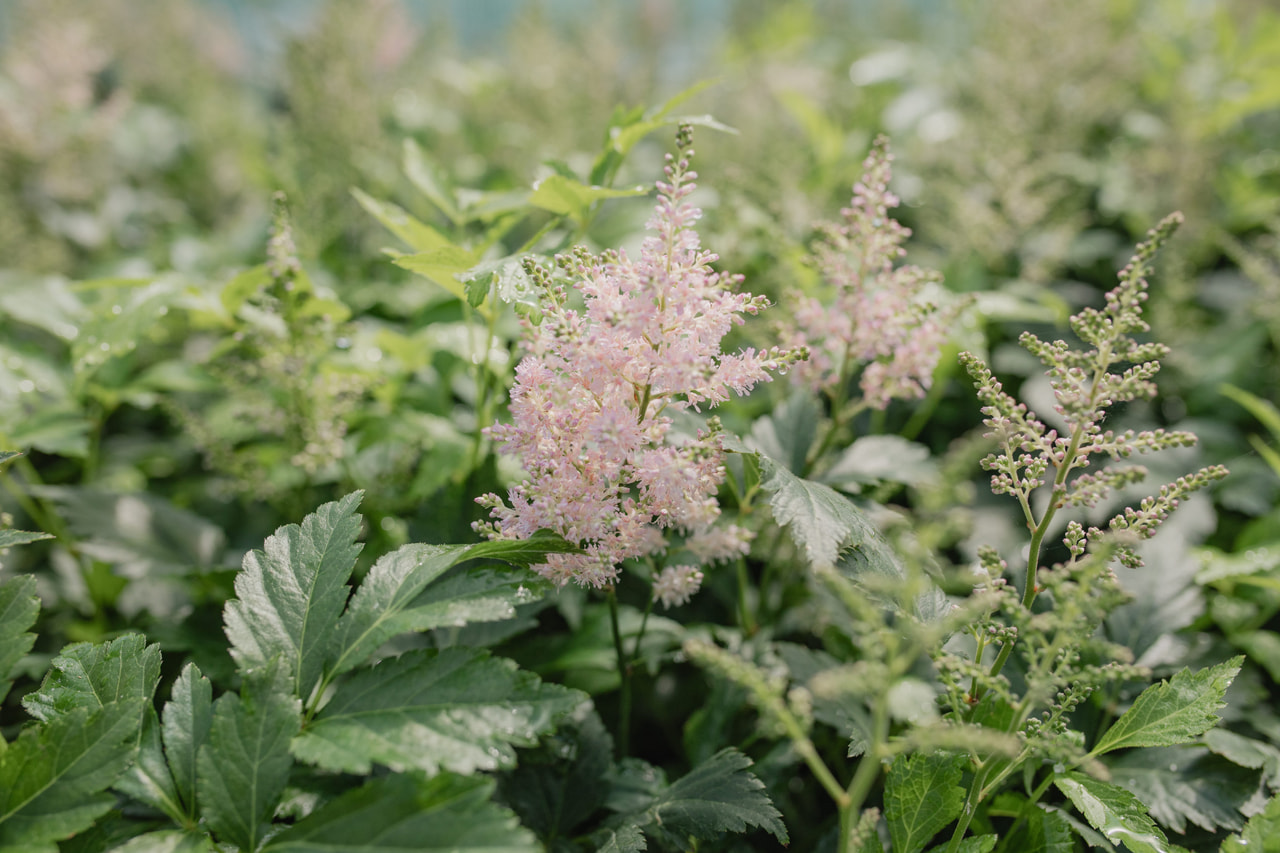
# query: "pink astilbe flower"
[[590, 399], [877, 317]]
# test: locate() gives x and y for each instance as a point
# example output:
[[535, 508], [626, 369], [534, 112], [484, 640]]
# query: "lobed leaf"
[[185, 725], [1179, 784], [53, 778], [417, 234], [19, 608], [922, 795], [86, 675], [459, 709], [1260, 835], [244, 766], [399, 813], [1172, 712], [149, 780], [1116, 813], [290, 594]]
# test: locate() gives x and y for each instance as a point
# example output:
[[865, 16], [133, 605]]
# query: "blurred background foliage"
[[179, 398]]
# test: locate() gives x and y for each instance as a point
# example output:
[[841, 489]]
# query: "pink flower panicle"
[[877, 317], [589, 405]]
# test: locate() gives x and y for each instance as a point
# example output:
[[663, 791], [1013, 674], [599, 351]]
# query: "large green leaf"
[[187, 718], [443, 266], [719, 795], [19, 608], [1172, 712], [1260, 835], [558, 194], [53, 778], [10, 538], [1116, 813], [149, 780], [459, 709], [922, 795], [290, 594], [391, 599], [85, 675], [420, 236], [1181, 784], [1037, 831], [245, 764], [787, 434], [399, 813]]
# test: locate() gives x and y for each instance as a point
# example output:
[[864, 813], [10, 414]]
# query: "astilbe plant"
[[590, 403]]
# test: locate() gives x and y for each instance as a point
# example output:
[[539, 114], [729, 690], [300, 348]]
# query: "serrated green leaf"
[[874, 458], [399, 813], [149, 780], [290, 595], [719, 795], [420, 236], [1116, 813], [560, 785], [458, 709], [788, 433], [565, 196], [1178, 785], [1260, 835], [185, 724], [85, 675], [394, 596], [168, 841], [7, 456], [1172, 712], [244, 766], [922, 795], [424, 175], [624, 839], [972, 844], [53, 778], [10, 538], [19, 607], [1039, 831], [443, 266], [1246, 752]]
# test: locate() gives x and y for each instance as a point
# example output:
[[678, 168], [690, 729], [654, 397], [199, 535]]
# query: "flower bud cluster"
[[591, 398], [878, 317]]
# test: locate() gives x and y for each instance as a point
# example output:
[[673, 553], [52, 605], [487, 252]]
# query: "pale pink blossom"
[[589, 404], [675, 585]]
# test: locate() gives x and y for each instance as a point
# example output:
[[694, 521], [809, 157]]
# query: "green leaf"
[[187, 718], [398, 813], [1172, 712], [1039, 831], [391, 599], [244, 287], [1180, 784], [424, 175], [1260, 835], [1114, 812], [85, 675], [19, 608], [565, 196], [719, 795], [149, 780], [788, 433], [443, 266], [290, 595], [922, 795], [458, 709], [973, 844], [167, 841], [9, 538], [420, 236], [244, 766], [624, 839], [53, 778], [875, 458]]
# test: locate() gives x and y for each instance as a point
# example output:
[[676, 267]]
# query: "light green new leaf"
[[1115, 813], [245, 764], [398, 594], [558, 194], [420, 236], [53, 778], [85, 675], [1172, 712], [19, 608], [922, 794], [290, 595], [458, 709], [424, 175], [9, 538], [168, 841], [149, 780], [444, 266], [399, 813], [719, 795], [1260, 835], [187, 718]]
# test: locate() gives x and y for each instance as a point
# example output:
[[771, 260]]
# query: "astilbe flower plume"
[[877, 317], [590, 403]]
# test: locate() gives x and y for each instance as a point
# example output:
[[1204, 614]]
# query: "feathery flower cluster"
[[1086, 383], [590, 399], [877, 318]]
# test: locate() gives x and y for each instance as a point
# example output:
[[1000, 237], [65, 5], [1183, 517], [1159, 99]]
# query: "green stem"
[[970, 806], [624, 675]]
